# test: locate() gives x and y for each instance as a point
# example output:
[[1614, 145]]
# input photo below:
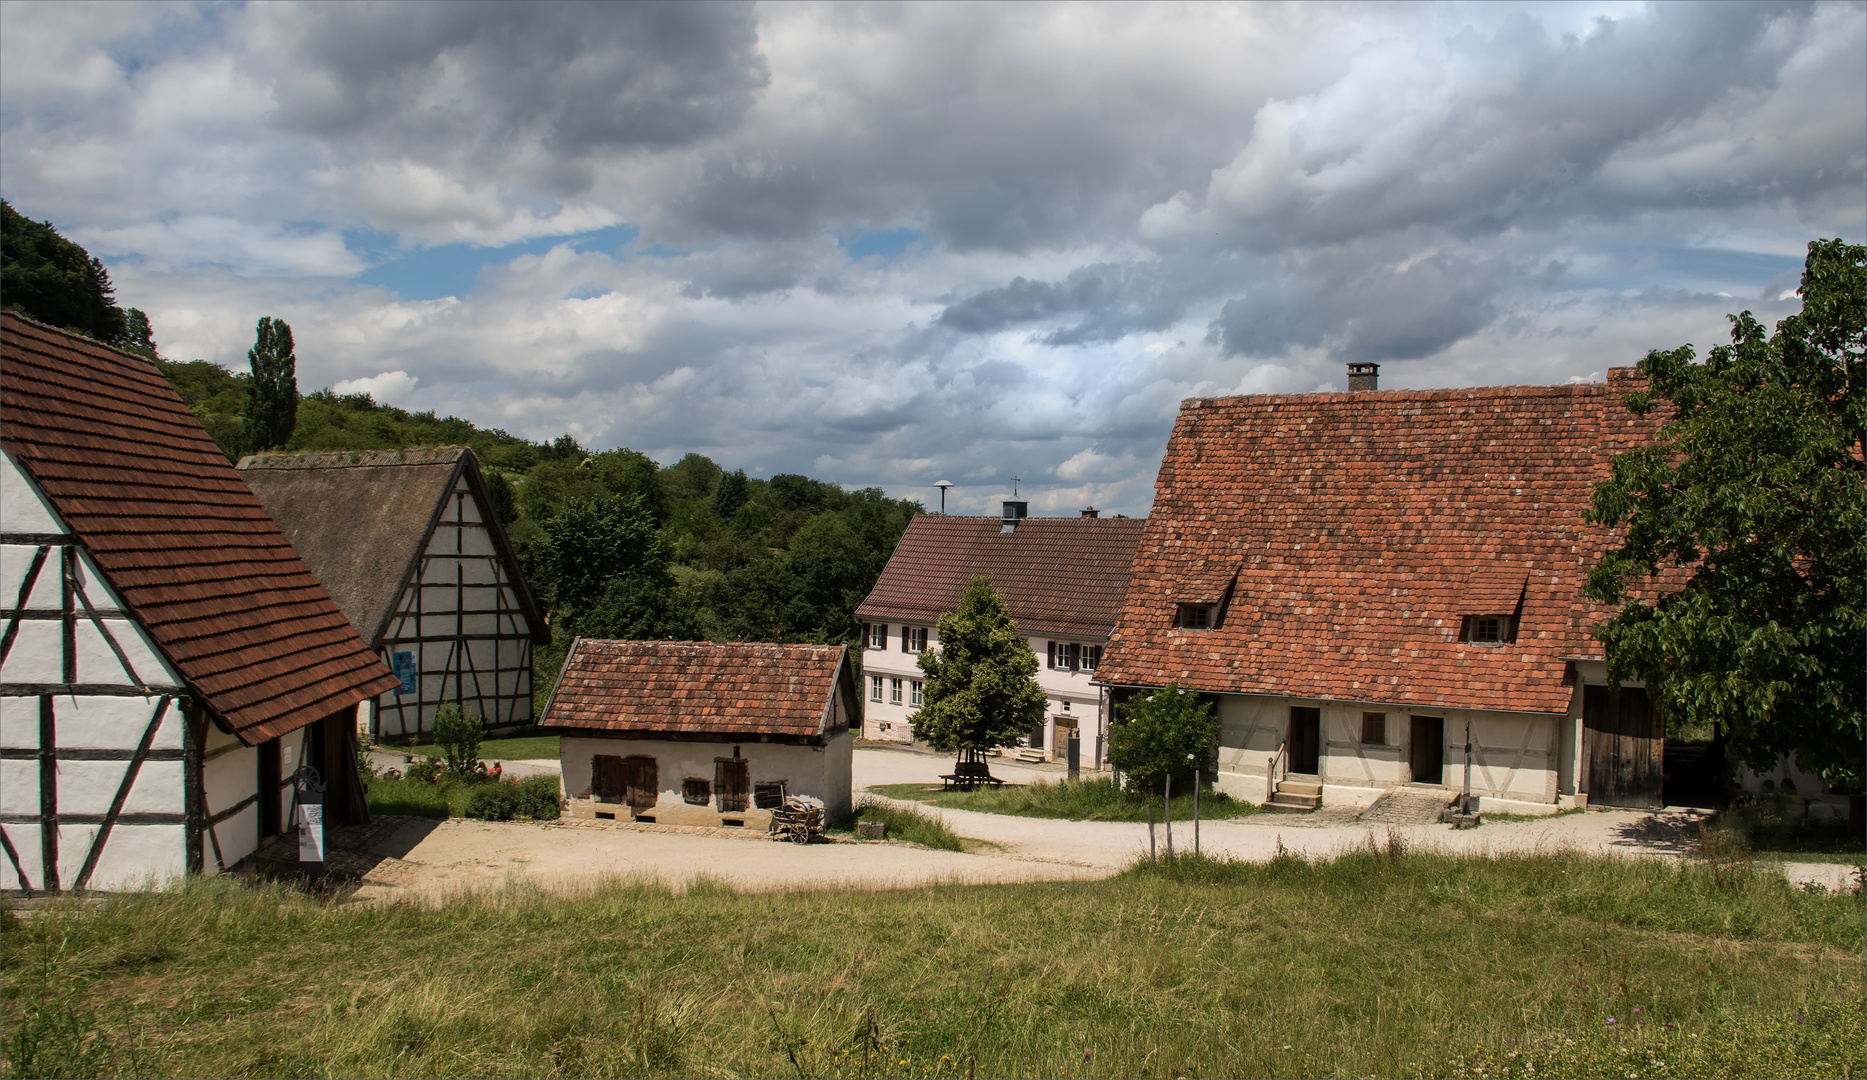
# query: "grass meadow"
[[1073, 800], [1376, 963]]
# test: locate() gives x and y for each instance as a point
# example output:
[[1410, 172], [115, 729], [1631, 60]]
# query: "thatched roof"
[[362, 520]]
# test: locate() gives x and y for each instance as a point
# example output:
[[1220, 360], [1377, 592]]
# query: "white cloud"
[[1116, 207], [390, 387]]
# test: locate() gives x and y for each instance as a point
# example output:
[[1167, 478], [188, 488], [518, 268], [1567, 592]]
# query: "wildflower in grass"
[[1610, 1019], [1636, 1010]]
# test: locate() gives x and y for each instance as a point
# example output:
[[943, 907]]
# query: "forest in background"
[[614, 544]]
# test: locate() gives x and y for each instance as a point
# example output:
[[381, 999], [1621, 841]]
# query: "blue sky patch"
[[888, 243], [1743, 274], [453, 269]]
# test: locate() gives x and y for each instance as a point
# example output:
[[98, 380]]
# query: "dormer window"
[[1194, 617], [1488, 629]]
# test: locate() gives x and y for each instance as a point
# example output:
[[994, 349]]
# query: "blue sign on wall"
[[405, 670]]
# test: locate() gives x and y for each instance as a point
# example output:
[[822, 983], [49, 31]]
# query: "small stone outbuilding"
[[696, 733]]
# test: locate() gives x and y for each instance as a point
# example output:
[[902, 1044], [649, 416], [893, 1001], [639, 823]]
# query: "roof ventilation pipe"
[[1015, 511], [1363, 377]]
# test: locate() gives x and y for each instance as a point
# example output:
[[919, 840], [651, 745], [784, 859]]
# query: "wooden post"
[[1167, 812], [1149, 807], [1195, 811]]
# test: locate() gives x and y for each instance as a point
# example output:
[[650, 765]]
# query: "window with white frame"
[[1092, 657], [878, 636], [913, 639], [894, 691], [1488, 629], [914, 693], [875, 688], [1065, 655]]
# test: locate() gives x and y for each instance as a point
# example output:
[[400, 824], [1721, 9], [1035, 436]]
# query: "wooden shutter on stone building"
[[1626, 746]]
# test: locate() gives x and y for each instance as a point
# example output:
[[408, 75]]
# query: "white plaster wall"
[[138, 855], [98, 664], [15, 562], [22, 508], [822, 772], [114, 722], [19, 722], [25, 838], [19, 787], [37, 655], [1514, 754]]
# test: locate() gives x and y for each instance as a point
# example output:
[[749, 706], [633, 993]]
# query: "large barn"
[[169, 662], [409, 545]]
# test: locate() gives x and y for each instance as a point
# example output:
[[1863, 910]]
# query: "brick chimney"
[[1092, 512], [1364, 377]]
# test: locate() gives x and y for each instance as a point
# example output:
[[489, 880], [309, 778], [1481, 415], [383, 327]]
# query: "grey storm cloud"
[[1104, 302], [578, 79]]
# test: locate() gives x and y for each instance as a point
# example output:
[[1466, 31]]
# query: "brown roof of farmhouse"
[[1058, 575], [731, 690], [362, 520], [196, 559], [1349, 534]]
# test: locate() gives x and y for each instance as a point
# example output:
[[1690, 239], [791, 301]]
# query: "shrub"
[[1165, 732], [424, 771], [534, 798], [458, 735], [910, 824]]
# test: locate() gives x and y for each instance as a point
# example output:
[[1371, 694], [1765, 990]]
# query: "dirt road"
[[423, 859]]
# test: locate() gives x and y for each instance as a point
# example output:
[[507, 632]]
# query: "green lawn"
[[1074, 800], [526, 748], [1381, 962]]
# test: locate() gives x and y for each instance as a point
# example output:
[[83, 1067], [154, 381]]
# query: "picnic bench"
[[967, 776]]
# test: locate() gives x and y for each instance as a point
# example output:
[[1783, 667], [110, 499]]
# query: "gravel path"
[[429, 860]]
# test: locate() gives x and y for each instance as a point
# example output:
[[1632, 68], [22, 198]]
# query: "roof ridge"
[[337, 459]]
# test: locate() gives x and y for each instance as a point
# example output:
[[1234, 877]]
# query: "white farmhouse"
[[1359, 580], [698, 733], [409, 546], [1063, 581], [168, 661]]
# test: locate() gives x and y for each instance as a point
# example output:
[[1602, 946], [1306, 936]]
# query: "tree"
[[730, 495], [54, 280], [981, 691], [1165, 732], [1753, 491], [611, 573], [138, 336], [272, 396]]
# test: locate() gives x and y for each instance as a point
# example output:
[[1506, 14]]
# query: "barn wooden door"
[[606, 782], [732, 783], [641, 782], [1625, 744]]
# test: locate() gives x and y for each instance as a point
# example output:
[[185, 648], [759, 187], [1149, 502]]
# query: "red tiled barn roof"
[[1363, 527], [1060, 576], [733, 690], [172, 526]]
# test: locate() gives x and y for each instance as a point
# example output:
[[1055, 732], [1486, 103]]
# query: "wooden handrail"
[[1272, 771]]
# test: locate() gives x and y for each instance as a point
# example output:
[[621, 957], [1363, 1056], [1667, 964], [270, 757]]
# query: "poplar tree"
[[272, 398]]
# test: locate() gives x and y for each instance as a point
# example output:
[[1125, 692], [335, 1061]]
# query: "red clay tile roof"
[[201, 566], [1365, 525], [697, 688], [1060, 576]]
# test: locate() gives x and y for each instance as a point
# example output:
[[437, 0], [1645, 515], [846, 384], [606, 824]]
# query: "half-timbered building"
[[409, 545], [1367, 583], [169, 664]]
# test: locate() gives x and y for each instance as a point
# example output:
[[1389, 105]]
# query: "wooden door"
[[1624, 742], [1306, 740], [271, 808], [732, 783], [606, 778], [1426, 756], [641, 782]]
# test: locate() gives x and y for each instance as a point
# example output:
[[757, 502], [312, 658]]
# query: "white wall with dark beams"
[[96, 729], [462, 622]]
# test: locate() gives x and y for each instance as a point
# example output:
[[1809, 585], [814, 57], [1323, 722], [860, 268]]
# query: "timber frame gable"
[[410, 545]]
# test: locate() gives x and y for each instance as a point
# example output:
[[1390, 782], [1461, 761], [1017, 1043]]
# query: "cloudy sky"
[[897, 244]]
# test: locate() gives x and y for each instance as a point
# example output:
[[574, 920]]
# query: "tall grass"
[[416, 798], [1380, 962], [1073, 800], [907, 823]]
